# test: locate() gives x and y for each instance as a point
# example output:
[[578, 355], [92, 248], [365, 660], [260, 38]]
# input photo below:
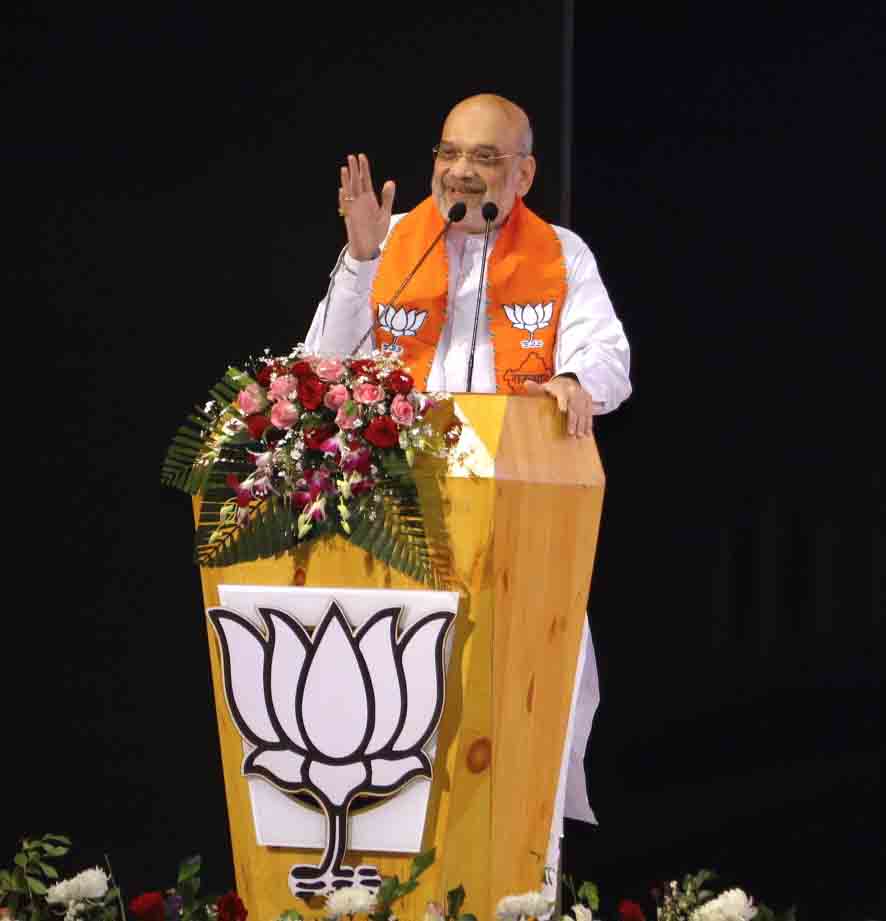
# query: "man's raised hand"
[[367, 221]]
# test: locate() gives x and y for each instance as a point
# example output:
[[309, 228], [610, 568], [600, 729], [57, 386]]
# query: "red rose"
[[150, 906], [231, 908], [301, 368], [630, 911], [314, 438], [257, 425], [264, 376], [382, 432], [363, 366], [311, 391], [400, 382]]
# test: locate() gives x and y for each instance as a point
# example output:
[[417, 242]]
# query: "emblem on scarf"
[[334, 713], [533, 368], [399, 322], [531, 317]]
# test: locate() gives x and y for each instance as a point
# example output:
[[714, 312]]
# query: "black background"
[[170, 174]]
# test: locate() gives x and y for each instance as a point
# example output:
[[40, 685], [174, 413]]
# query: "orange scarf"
[[526, 288]]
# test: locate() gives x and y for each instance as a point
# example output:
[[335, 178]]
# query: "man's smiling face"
[[482, 127]]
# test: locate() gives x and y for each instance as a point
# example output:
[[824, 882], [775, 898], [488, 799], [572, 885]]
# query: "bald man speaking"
[[546, 327]]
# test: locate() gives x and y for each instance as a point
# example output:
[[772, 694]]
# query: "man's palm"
[[367, 220]]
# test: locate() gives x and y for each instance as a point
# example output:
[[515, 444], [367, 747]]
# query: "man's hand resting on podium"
[[366, 220], [578, 404]]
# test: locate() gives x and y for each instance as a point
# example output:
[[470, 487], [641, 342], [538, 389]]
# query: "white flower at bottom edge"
[[351, 900], [74, 909], [90, 884], [732, 905], [580, 913], [528, 905]]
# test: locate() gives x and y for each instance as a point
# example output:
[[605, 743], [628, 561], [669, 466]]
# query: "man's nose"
[[462, 166]]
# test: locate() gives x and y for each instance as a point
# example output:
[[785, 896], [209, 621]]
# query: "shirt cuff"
[[357, 275], [591, 383]]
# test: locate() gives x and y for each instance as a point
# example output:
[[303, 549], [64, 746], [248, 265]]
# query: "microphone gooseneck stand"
[[456, 214], [490, 213]]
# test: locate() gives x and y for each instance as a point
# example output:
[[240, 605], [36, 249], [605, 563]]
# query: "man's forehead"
[[484, 122]]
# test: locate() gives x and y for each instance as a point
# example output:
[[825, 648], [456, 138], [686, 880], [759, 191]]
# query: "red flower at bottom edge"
[[630, 911], [149, 906], [231, 908]]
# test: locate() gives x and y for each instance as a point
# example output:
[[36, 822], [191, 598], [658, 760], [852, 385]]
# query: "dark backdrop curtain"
[[171, 175]]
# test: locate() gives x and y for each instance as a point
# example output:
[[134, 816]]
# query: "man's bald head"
[[499, 111]]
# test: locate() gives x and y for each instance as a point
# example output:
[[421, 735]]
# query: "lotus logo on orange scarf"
[[530, 317], [399, 323]]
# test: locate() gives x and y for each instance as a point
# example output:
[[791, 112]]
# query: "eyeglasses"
[[449, 154]]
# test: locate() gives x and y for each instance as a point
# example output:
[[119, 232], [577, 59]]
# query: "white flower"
[[74, 909], [528, 905], [732, 905], [351, 900], [580, 913], [90, 884]]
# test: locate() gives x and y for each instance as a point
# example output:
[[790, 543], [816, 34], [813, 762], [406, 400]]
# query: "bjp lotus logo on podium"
[[334, 713], [399, 322], [531, 317]]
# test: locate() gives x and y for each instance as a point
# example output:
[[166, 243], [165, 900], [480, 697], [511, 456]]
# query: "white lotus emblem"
[[336, 713], [399, 322], [531, 317]]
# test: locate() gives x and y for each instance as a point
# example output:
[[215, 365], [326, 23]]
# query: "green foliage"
[[291, 915], [23, 886], [187, 886], [587, 894]]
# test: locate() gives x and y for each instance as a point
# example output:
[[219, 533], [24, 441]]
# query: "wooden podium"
[[522, 505]]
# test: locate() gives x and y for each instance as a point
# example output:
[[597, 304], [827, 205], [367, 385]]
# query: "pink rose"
[[330, 369], [250, 400], [345, 420], [282, 387], [368, 393], [335, 396], [402, 411], [284, 414]]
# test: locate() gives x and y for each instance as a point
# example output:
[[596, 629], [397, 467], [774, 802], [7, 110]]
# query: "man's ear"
[[526, 175]]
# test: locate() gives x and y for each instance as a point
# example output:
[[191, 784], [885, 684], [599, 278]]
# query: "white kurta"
[[590, 344]]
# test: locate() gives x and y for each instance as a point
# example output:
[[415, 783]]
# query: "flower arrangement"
[[183, 902], [33, 890], [691, 900], [27, 893], [687, 900], [295, 447]]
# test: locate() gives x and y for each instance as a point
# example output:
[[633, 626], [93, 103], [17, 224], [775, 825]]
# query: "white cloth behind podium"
[[572, 793]]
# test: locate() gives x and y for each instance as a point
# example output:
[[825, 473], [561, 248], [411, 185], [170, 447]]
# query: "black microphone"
[[456, 214], [490, 213]]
